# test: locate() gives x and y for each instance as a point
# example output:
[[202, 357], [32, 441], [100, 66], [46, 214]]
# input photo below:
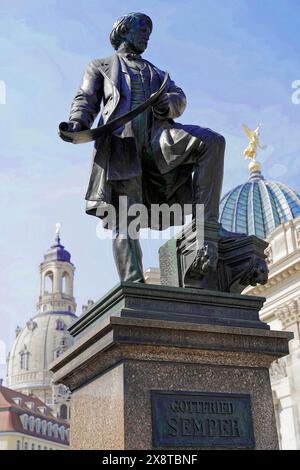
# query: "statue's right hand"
[[72, 126]]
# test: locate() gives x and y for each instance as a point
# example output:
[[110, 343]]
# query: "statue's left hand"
[[162, 104]]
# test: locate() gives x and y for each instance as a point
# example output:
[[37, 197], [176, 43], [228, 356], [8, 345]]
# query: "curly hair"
[[123, 25]]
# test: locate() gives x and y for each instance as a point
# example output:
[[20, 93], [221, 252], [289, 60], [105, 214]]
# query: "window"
[[49, 429], [48, 283], [25, 445], [24, 420], [22, 364], [31, 423], [44, 427], [39, 448], [24, 360], [38, 425], [32, 447], [66, 284], [60, 325], [17, 401], [62, 432], [18, 445], [64, 411], [55, 431]]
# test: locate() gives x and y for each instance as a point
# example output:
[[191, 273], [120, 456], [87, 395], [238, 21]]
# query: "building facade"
[[282, 312], [271, 210], [26, 423]]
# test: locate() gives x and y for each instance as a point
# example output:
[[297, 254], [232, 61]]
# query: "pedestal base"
[[118, 364]]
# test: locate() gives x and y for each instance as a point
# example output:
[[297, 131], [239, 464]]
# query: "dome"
[[258, 206], [57, 252], [42, 340], [45, 336]]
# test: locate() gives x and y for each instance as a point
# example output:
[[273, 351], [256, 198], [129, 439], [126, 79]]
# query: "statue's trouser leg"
[[208, 175], [126, 246], [128, 258]]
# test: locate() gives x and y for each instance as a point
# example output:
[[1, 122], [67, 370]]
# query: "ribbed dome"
[[258, 206]]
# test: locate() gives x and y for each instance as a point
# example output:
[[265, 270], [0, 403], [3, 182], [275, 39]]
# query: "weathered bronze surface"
[[241, 262], [151, 159]]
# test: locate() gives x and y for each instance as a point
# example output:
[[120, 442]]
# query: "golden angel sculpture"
[[251, 151]]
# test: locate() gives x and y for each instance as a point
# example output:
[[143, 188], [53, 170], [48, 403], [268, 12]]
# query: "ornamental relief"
[[289, 313], [269, 255], [278, 369]]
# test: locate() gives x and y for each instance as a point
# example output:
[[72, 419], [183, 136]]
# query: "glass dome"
[[258, 206]]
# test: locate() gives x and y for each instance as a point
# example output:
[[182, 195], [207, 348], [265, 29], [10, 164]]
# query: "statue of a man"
[[151, 159]]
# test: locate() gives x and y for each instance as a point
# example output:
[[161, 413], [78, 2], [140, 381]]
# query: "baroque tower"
[[57, 278], [45, 336]]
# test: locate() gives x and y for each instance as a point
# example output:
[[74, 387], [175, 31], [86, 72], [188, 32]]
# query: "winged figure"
[[251, 151]]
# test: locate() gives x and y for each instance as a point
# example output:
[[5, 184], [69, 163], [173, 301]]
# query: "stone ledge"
[[173, 303], [117, 339]]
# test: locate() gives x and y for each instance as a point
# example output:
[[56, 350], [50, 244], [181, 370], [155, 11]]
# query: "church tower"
[[57, 278], [45, 336]]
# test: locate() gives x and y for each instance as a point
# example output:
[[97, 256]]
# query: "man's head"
[[133, 29]]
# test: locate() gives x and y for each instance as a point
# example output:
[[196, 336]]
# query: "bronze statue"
[[150, 159]]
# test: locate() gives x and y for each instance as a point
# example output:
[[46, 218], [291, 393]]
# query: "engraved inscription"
[[190, 418]]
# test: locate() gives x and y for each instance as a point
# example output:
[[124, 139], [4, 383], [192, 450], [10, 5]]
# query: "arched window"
[[44, 427], [63, 411], [60, 325], [66, 284], [55, 431], [24, 362], [38, 425], [62, 432], [31, 423], [18, 445], [25, 445], [48, 283], [24, 420], [32, 447], [50, 429]]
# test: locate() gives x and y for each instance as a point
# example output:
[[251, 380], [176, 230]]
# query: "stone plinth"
[[140, 339]]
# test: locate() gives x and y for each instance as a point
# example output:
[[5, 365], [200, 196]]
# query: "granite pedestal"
[[157, 367]]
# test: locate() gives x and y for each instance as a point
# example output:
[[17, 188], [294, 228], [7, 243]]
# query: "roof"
[[7, 396], [258, 206], [57, 252], [11, 412]]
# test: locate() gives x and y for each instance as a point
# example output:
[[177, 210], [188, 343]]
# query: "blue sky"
[[235, 60]]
